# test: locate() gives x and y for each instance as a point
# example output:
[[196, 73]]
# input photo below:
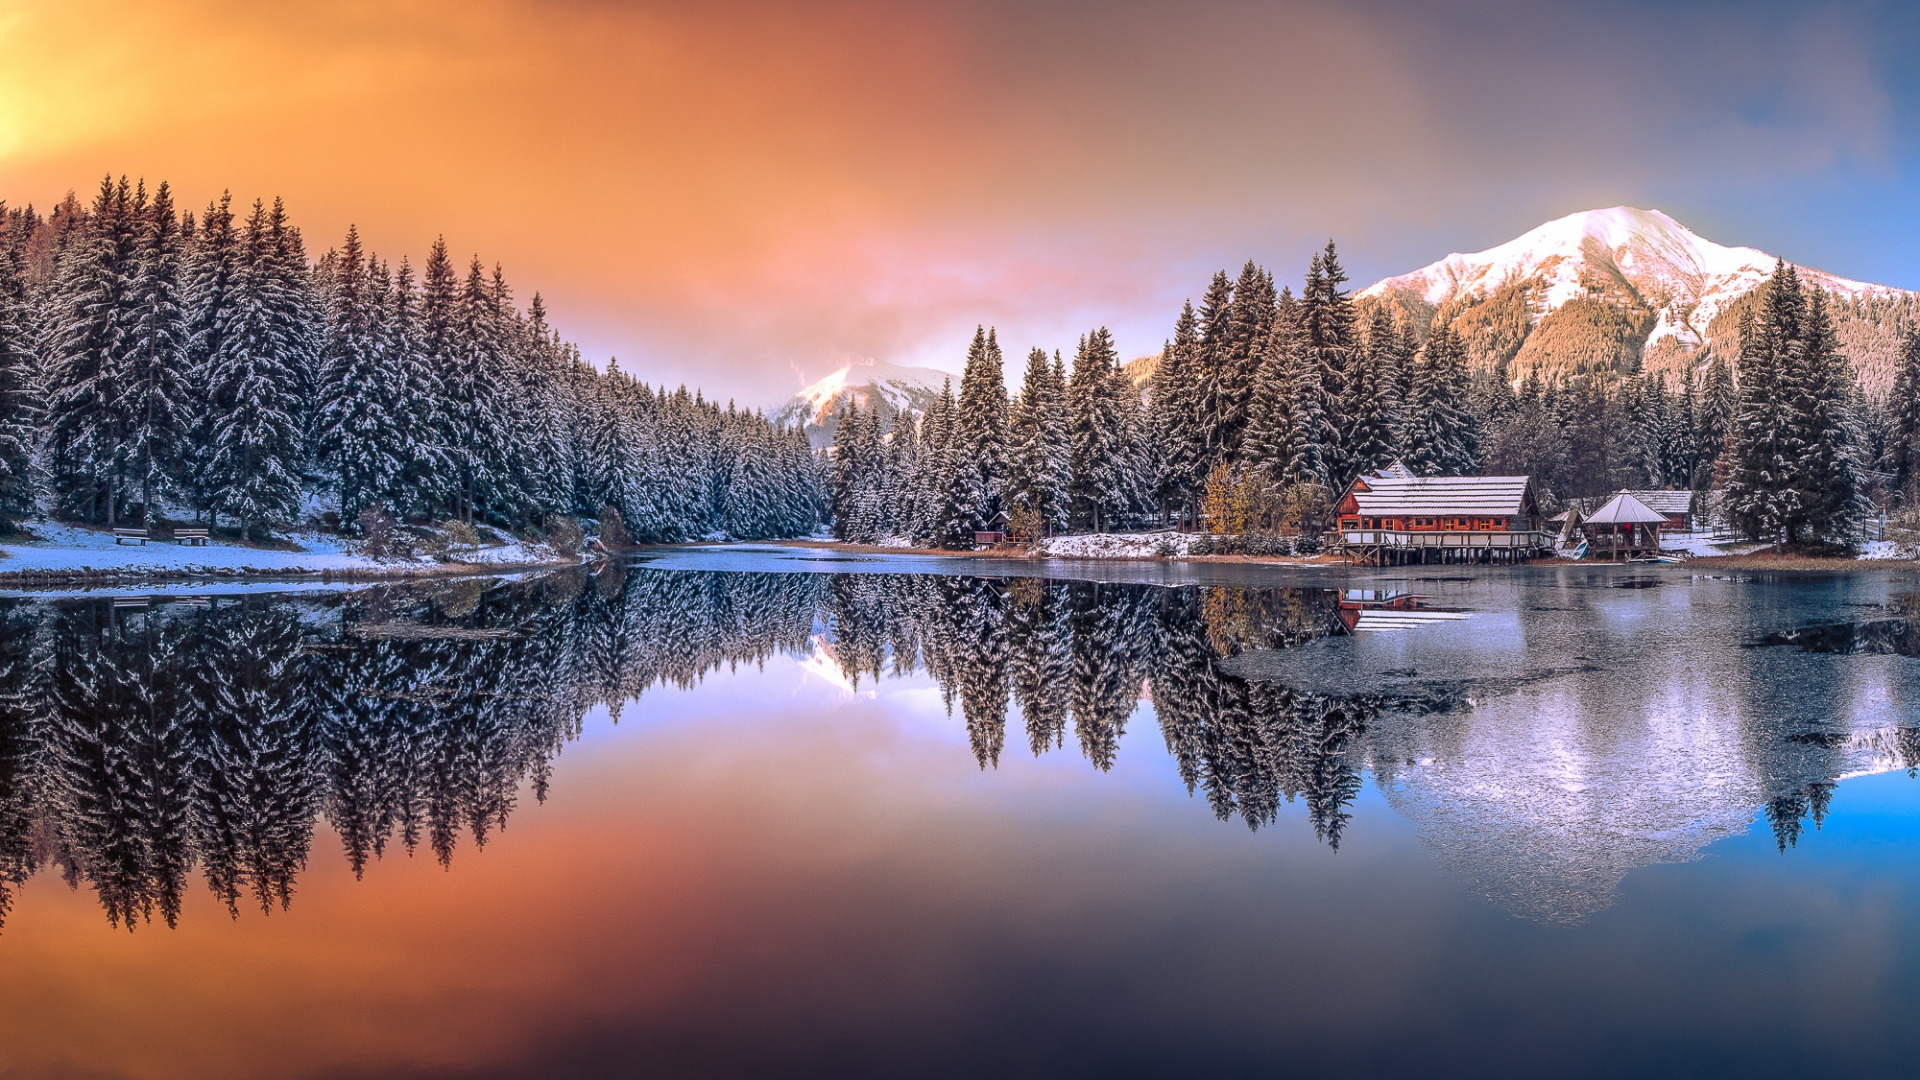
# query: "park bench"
[[121, 536], [196, 537]]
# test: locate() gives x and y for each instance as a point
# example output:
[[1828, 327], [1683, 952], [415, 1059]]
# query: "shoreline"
[[1754, 561]]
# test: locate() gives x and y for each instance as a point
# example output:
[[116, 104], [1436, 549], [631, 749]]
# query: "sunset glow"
[[740, 194]]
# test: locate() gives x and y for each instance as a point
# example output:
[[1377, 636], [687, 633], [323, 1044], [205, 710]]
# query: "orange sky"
[[738, 194]]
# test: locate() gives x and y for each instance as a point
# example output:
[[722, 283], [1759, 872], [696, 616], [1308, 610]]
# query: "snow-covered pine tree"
[[360, 441], [1827, 473], [22, 409], [1174, 418], [1249, 325], [1372, 402], [476, 399], [297, 317], [89, 333], [212, 276], [253, 389], [1327, 319], [1439, 438], [1309, 408], [1215, 352], [155, 403], [1098, 489], [981, 433], [439, 349], [1756, 467], [937, 516], [1903, 443], [1269, 445]]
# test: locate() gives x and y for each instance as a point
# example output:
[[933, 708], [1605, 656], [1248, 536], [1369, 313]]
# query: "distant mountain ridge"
[[863, 382], [1624, 288]]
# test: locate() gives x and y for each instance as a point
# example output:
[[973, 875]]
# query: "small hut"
[[1624, 527]]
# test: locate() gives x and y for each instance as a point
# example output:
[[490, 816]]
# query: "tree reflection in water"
[[142, 745]]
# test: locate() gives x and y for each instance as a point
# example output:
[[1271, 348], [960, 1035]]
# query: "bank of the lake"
[[57, 555]]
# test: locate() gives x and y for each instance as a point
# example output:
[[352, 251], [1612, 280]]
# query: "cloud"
[[720, 193]]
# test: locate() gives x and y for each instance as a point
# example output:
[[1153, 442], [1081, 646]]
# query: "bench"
[[196, 537], [121, 536]]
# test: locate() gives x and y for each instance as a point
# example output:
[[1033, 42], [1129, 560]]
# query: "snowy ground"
[[1117, 545], [1703, 544], [58, 548]]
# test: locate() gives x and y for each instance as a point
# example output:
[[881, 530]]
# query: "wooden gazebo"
[[1623, 527]]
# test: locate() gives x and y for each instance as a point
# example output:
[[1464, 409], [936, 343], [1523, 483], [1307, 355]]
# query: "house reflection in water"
[[1389, 609]]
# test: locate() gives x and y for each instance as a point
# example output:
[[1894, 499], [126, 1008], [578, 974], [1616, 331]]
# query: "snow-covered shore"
[[57, 551]]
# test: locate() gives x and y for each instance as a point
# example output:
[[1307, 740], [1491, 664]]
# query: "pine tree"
[[155, 404], [22, 410], [360, 438], [439, 349], [212, 281], [1175, 405], [1372, 402], [981, 433], [1097, 427], [1439, 439], [1327, 320], [1040, 462], [254, 391], [89, 337], [1904, 404], [1215, 352]]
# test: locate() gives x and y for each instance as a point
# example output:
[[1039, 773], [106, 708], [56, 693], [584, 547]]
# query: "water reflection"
[[143, 745]]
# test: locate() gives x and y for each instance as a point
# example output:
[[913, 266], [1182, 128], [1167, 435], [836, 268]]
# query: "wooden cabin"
[[1675, 506], [1395, 518]]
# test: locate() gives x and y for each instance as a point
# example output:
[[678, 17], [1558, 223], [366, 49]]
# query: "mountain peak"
[[1666, 280], [863, 381]]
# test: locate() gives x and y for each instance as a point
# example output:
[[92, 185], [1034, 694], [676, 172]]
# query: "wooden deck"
[[1383, 547]]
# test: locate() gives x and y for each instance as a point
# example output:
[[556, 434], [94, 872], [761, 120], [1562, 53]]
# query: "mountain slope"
[[897, 389], [1622, 288]]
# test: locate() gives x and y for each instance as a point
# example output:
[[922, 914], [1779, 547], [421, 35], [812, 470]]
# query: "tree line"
[[155, 363], [1263, 406]]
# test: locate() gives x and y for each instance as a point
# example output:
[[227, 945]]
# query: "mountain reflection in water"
[[144, 745]]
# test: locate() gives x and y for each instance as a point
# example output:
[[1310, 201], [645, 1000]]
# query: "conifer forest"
[[1263, 405], [157, 364]]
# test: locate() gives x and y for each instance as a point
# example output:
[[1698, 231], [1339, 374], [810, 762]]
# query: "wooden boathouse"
[[1396, 518]]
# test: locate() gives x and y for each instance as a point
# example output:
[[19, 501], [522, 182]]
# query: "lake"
[[762, 811]]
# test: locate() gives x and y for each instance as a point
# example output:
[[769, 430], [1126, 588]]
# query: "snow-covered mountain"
[[1618, 285], [896, 388]]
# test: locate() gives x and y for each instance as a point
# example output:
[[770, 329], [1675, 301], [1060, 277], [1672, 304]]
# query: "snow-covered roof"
[[1624, 509], [1667, 502], [1398, 471], [1438, 496]]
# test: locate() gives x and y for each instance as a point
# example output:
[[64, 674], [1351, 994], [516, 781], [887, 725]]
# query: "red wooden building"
[[1396, 518]]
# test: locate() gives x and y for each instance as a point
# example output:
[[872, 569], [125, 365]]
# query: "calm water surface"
[[763, 812]]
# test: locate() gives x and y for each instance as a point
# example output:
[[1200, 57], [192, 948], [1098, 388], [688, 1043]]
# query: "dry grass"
[[1775, 560]]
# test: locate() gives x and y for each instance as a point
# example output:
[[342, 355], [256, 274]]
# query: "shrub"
[[452, 541], [381, 537], [613, 530], [565, 536]]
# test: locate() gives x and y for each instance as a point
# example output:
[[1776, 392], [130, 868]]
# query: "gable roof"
[[1438, 496], [1624, 509], [1665, 501]]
